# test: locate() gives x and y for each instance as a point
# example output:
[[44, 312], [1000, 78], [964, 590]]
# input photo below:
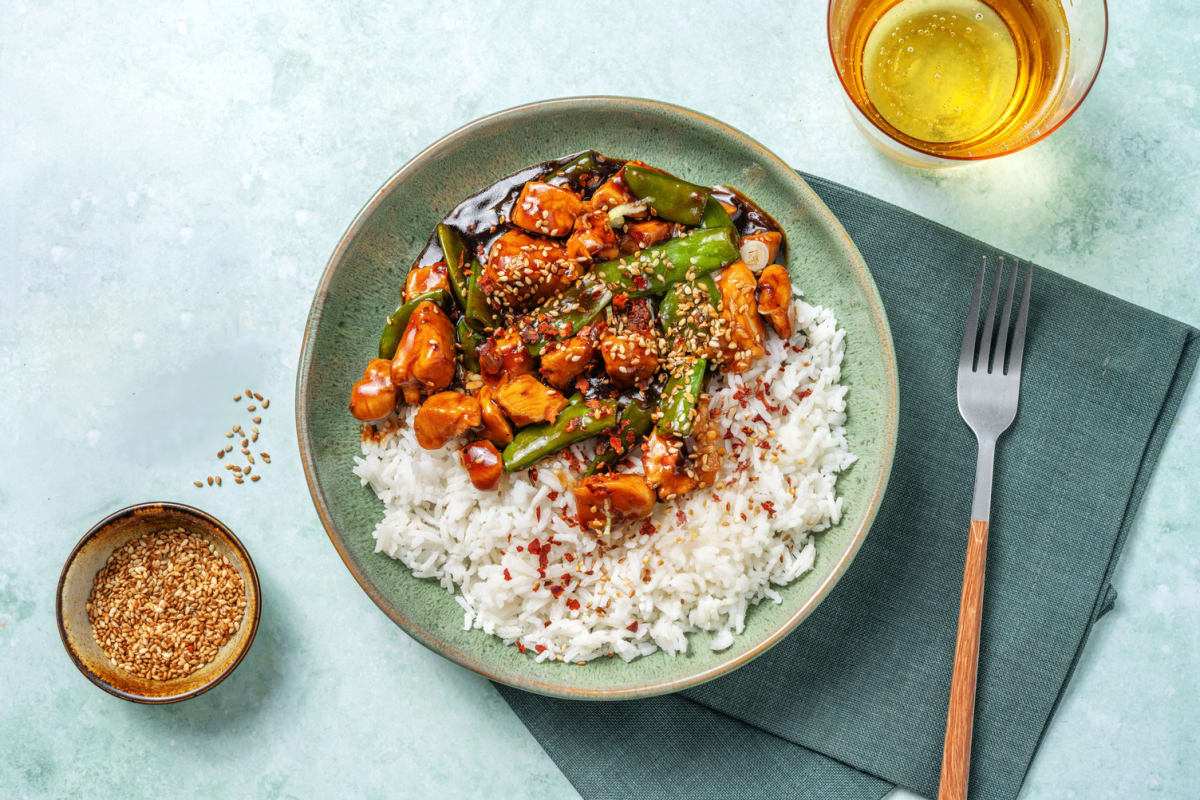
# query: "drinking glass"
[[1087, 33]]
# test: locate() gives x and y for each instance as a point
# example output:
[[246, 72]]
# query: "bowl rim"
[[186, 511], [887, 443]]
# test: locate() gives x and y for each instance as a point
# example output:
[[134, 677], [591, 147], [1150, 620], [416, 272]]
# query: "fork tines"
[[991, 354]]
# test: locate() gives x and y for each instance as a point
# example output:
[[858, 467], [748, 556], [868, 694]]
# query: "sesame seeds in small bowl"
[[157, 603]]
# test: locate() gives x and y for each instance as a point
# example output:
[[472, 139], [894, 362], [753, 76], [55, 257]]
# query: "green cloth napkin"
[[854, 701]]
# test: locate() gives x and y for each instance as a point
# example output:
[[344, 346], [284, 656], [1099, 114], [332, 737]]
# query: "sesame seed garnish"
[[266, 403], [237, 398], [228, 434], [197, 483], [255, 477], [251, 407], [257, 419], [257, 396]]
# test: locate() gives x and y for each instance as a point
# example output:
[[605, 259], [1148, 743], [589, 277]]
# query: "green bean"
[[469, 340], [679, 399], [715, 215], [633, 424], [454, 250], [570, 172], [576, 422], [651, 271], [393, 330], [669, 316], [476, 311], [671, 198]]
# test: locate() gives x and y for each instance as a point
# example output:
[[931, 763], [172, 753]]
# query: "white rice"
[[751, 531]]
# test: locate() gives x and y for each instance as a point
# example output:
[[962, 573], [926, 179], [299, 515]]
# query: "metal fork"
[[987, 400]]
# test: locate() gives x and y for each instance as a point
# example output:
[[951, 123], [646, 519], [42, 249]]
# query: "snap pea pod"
[[679, 397], [469, 340], [389, 340], [633, 424], [476, 310], [651, 271], [570, 171], [454, 250], [715, 215], [671, 198], [564, 316], [669, 316], [576, 422]]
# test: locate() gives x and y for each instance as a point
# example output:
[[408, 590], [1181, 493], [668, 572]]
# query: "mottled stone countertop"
[[175, 177]]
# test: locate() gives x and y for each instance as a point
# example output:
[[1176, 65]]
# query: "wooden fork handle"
[[960, 719]]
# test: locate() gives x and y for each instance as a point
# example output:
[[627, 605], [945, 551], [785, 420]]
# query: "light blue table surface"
[[174, 178]]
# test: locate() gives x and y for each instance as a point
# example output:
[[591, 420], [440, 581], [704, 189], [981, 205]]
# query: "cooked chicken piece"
[[650, 232], [483, 463], [374, 396], [592, 238], [629, 356], [527, 400], [426, 279], [427, 356], [772, 239], [522, 270], [708, 444], [496, 427], [546, 209], [443, 416], [774, 297], [612, 193], [600, 498], [742, 333], [667, 466], [503, 357], [563, 361]]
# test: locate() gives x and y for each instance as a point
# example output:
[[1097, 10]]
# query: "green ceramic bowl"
[[359, 288]]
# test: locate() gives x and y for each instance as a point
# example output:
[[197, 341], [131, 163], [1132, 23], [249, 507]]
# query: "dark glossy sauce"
[[483, 217]]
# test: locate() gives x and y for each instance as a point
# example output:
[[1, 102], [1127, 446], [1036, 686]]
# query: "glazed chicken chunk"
[[666, 466], [564, 361], [443, 416], [496, 427], [601, 498], [743, 335], [546, 209], [427, 356], [522, 270], [503, 357], [592, 238], [527, 400], [374, 397], [774, 297], [426, 279]]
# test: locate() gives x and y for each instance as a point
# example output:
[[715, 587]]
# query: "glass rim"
[[908, 147]]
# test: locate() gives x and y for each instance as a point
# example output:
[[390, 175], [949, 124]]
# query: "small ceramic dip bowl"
[[91, 555]]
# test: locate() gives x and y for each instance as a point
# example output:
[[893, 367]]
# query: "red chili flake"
[[541, 648], [639, 282], [538, 514], [520, 548], [535, 547], [632, 627], [572, 604], [769, 507], [620, 301], [680, 517], [533, 473], [507, 574], [764, 445], [546, 624], [556, 591], [647, 527], [553, 496], [743, 520], [566, 579], [569, 556], [803, 394], [538, 585], [520, 646], [581, 384], [784, 410]]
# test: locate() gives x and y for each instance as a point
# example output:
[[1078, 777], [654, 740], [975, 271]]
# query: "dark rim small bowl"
[[93, 551]]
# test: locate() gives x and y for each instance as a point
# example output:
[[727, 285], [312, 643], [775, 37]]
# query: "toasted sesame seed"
[[255, 477], [228, 434], [221, 453], [257, 419], [251, 407], [197, 483], [237, 398], [266, 457], [210, 480], [266, 403], [257, 396], [238, 480]]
